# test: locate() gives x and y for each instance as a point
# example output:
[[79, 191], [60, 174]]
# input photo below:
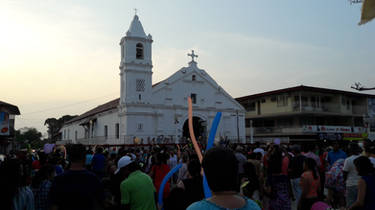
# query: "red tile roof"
[[102, 108], [12, 109], [302, 88], [99, 109]]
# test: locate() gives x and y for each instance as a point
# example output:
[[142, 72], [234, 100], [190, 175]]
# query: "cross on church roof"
[[135, 10], [192, 55]]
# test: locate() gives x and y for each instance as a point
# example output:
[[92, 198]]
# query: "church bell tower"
[[136, 65]]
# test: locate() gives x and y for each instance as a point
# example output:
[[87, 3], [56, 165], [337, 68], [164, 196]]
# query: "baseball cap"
[[124, 161], [132, 156]]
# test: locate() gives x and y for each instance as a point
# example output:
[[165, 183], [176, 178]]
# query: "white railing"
[[64, 142], [142, 140], [327, 107]]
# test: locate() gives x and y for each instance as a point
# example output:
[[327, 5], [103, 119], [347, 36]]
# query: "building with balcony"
[[306, 113], [7, 117]]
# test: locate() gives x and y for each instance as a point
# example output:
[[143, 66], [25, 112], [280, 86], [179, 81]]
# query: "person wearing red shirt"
[[158, 172]]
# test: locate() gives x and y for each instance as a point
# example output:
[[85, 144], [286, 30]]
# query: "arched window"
[[193, 77], [139, 51]]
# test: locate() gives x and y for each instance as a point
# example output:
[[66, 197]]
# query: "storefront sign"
[[355, 136], [4, 124], [327, 129], [334, 129], [359, 129]]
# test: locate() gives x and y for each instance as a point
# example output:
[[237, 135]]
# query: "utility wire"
[[68, 105]]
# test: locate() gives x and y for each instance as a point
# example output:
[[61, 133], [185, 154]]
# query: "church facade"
[[147, 113]]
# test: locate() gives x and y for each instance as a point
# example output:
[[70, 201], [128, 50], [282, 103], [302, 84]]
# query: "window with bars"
[[140, 85]]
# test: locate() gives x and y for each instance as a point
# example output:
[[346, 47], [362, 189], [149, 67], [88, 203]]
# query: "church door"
[[199, 127]]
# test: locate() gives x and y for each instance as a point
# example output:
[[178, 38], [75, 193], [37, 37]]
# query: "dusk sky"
[[62, 57]]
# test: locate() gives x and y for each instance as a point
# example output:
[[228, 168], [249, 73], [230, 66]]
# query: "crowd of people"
[[270, 176]]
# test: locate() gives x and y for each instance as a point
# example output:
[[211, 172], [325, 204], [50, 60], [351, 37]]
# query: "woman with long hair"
[[278, 187], [310, 185], [188, 190], [366, 184]]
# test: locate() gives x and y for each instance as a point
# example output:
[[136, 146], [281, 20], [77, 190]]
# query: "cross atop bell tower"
[[192, 55]]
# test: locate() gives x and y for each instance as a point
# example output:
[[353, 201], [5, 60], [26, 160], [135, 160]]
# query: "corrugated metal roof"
[[302, 88], [99, 109], [12, 109]]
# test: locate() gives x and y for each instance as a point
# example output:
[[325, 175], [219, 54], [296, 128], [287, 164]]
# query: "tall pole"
[[300, 102], [238, 128], [251, 132]]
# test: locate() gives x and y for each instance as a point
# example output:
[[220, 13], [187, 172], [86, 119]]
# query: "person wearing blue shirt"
[[221, 170], [366, 184], [88, 159], [335, 154], [76, 188], [98, 162]]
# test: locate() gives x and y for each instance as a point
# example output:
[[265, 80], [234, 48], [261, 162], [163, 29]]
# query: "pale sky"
[[62, 57]]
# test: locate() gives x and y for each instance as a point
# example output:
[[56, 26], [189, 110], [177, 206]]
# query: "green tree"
[[32, 136], [54, 125]]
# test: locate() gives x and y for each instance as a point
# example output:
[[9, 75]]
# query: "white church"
[[156, 113]]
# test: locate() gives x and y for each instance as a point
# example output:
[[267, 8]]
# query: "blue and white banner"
[[4, 124]]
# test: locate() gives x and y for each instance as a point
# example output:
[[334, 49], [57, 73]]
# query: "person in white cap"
[[137, 190]]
